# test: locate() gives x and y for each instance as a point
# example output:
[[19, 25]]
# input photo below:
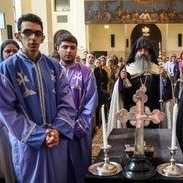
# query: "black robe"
[[102, 81], [152, 83], [179, 128]]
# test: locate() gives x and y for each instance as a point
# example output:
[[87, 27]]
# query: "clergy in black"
[[144, 73]]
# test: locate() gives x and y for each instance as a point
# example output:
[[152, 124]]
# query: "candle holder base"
[[102, 169], [105, 168], [139, 168], [169, 170]]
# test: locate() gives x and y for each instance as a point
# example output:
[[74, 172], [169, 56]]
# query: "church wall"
[[90, 36], [7, 8], [26, 6], [49, 27], [129, 28], [100, 38], [59, 26], [75, 25], [78, 22], [172, 40], [22, 7], [43, 10], [164, 33]]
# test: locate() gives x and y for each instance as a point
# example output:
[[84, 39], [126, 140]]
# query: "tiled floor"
[[96, 143]]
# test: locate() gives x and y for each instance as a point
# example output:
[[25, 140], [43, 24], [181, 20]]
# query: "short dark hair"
[[30, 18], [66, 37], [91, 52]]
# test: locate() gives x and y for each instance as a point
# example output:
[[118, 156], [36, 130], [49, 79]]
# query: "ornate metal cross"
[[140, 115]]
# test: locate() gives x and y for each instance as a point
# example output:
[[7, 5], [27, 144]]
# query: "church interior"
[[114, 34], [109, 29]]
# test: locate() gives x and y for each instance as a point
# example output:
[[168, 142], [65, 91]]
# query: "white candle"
[[104, 128], [175, 111]]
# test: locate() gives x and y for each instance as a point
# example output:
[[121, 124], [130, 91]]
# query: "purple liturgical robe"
[[33, 95], [84, 90], [6, 165]]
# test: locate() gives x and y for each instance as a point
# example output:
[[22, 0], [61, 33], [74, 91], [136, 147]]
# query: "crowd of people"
[[50, 104]]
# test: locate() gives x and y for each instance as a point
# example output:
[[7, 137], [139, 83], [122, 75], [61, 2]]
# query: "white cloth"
[[115, 106], [135, 70]]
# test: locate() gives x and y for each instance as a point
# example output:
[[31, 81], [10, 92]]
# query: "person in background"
[[111, 76], [119, 65], [104, 65], [37, 108], [179, 98], [180, 64], [97, 63], [55, 55], [7, 49], [84, 91], [164, 60], [173, 69], [115, 59], [83, 61], [90, 60], [102, 81], [77, 58], [85, 54], [179, 82]]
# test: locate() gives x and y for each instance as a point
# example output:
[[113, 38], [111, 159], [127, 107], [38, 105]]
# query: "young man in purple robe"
[[37, 107], [84, 91]]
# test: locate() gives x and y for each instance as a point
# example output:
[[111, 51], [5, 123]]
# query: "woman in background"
[[7, 49]]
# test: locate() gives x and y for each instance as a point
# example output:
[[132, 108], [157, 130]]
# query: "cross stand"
[[139, 167]]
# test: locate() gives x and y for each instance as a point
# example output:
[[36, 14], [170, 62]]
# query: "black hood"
[[142, 42]]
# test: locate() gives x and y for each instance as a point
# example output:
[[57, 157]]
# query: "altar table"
[[159, 138]]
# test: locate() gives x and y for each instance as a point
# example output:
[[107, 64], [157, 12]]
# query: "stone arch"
[[155, 35]]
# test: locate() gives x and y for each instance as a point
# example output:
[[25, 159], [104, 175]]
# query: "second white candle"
[[104, 131], [174, 122]]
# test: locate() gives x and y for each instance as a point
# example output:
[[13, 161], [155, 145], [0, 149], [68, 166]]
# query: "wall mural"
[[133, 11]]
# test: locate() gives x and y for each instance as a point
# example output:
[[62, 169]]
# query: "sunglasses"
[[29, 33]]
